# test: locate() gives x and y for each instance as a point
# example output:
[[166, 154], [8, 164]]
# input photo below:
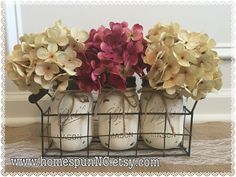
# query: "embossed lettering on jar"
[[76, 130], [118, 132], [154, 125]]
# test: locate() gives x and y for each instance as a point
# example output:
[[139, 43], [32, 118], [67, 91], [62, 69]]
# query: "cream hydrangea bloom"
[[156, 73], [202, 88], [182, 62], [46, 60], [189, 40], [46, 84], [47, 70], [79, 35], [63, 79], [58, 34], [176, 80], [206, 44], [49, 54], [183, 56], [77, 39], [172, 68], [153, 53], [14, 71], [191, 76], [68, 61], [31, 86]]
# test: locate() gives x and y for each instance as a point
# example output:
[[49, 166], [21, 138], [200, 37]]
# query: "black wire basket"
[[95, 149]]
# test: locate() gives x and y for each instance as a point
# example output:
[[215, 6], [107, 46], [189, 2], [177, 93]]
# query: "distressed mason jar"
[[152, 101], [118, 132], [75, 127]]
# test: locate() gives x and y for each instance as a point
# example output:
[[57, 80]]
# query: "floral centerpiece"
[[74, 63], [46, 60]]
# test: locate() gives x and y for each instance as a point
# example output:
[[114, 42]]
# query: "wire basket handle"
[[194, 106], [34, 98]]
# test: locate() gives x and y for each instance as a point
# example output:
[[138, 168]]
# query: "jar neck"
[[130, 83], [145, 83], [174, 96], [109, 89], [72, 85], [148, 89]]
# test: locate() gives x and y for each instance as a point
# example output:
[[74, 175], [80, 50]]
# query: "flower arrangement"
[[111, 55], [178, 61], [46, 60], [182, 62]]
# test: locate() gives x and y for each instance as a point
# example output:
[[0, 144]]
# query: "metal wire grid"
[[95, 148]]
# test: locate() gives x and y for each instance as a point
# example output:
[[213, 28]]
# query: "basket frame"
[[46, 115]]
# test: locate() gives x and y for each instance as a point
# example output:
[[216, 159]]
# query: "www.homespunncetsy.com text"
[[89, 162]]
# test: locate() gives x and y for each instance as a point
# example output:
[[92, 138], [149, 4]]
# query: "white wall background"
[[212, 19]]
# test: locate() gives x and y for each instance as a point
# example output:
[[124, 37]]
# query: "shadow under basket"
[[94, 148]]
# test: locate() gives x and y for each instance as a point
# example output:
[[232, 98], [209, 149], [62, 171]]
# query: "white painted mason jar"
[[76, 128], [123, 129], [152, 101]]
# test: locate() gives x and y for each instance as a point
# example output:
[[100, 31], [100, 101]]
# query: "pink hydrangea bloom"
[[111, 55]]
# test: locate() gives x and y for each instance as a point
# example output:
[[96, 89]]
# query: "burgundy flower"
[[111, 55], [137, 32], [85, 79], [132, 52]]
